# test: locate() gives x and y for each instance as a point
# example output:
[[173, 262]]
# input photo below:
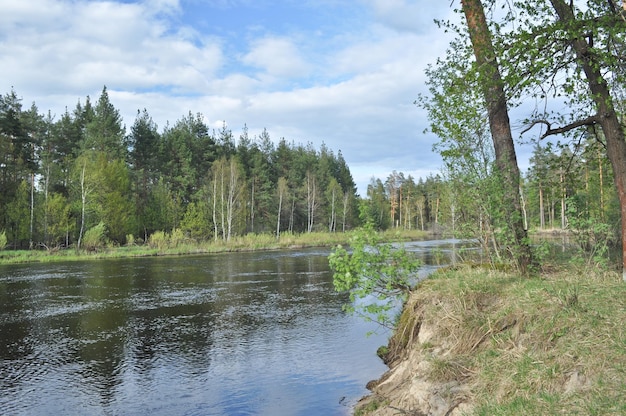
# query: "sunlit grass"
[[551, 344]]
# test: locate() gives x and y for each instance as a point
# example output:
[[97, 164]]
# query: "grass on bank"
[[167, 244], [553, 344]]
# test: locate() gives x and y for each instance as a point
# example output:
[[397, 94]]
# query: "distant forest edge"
[[81, 179], [61, 178]]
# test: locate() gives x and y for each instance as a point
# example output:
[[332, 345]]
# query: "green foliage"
[[377, 275], [369, 407], [196, 222], [3, 240], [95, 237], [113, 196], [176, 238], [58, 219], [158, 240], [137, 182], [18, 214], [162, 241], [105, 131], [593, 236]]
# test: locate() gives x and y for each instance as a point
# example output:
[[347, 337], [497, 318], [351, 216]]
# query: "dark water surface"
[[227, 334]]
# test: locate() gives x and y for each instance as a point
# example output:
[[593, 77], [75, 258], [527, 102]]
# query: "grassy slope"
[[554, 344]]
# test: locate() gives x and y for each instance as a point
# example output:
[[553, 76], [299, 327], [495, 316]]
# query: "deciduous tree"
[[497, 112]]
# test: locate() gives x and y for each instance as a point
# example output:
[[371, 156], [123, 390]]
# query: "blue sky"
[[340, 72]]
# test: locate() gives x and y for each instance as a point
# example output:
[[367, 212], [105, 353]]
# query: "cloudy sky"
[[340, 72]]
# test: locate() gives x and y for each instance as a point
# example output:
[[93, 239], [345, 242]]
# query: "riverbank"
[[250, 242], [472, 341]]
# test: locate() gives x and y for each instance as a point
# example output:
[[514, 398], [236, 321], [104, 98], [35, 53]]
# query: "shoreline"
[[478, 341], [248, 243]]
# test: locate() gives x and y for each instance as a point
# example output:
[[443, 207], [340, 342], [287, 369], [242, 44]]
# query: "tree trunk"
[[215, 227], [346, 199], [252, 207], [607, 117], [291, 214], [601, 185], [311, 190], [32, 210], [83, 199], [282, 190], [495, 99], [331, 220], [280, 206], [542, 217], [524, 213], [562, 198]]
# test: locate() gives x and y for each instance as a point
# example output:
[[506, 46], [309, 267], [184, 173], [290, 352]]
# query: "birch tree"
[[282, 189], [333, 194], [311, 199], [235, 190]]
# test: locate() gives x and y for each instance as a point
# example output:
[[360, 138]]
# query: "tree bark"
[[282, 190], [542, 219], [83, 198], [499, 123], [311, 196], [607, 117]]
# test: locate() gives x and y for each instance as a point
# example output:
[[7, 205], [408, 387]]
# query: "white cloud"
[[82, 45], [409, 15], [354, 91], [276, 57]]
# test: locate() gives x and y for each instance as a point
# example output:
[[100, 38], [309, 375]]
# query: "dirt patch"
[[411, 387]]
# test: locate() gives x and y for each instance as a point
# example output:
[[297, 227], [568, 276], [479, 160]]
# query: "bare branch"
[[534, 123], [589, 121]]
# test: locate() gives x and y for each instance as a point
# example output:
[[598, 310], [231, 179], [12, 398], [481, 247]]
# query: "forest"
[[62, 178], [83, 174]]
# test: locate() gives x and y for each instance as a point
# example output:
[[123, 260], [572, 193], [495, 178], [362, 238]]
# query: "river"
[[258, 333]]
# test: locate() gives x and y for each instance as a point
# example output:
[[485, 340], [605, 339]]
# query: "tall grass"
[[553, 344], [175, 243]]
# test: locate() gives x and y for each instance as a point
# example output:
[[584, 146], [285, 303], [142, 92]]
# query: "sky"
[[344, 73]]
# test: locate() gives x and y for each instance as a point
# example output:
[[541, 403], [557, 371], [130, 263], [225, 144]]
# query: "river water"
[[225, 334]]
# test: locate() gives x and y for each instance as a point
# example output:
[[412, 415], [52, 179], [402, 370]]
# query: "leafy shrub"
[[158, 240], [378, 276], [3, 240], [176, 237], [95, 237]]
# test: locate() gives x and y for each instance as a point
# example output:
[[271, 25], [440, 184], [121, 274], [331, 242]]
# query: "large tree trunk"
[[495, 99], [606, 115]]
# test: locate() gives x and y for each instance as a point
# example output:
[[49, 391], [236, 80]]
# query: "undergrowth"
[[552, 344]]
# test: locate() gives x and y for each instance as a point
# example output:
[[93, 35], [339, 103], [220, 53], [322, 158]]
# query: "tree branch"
[[589, 121]]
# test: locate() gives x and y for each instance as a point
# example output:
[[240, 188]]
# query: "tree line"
[[563, 64], [60, 178], [566, 187]]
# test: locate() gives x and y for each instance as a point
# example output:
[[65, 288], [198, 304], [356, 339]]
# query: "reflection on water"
[[230, 334]]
